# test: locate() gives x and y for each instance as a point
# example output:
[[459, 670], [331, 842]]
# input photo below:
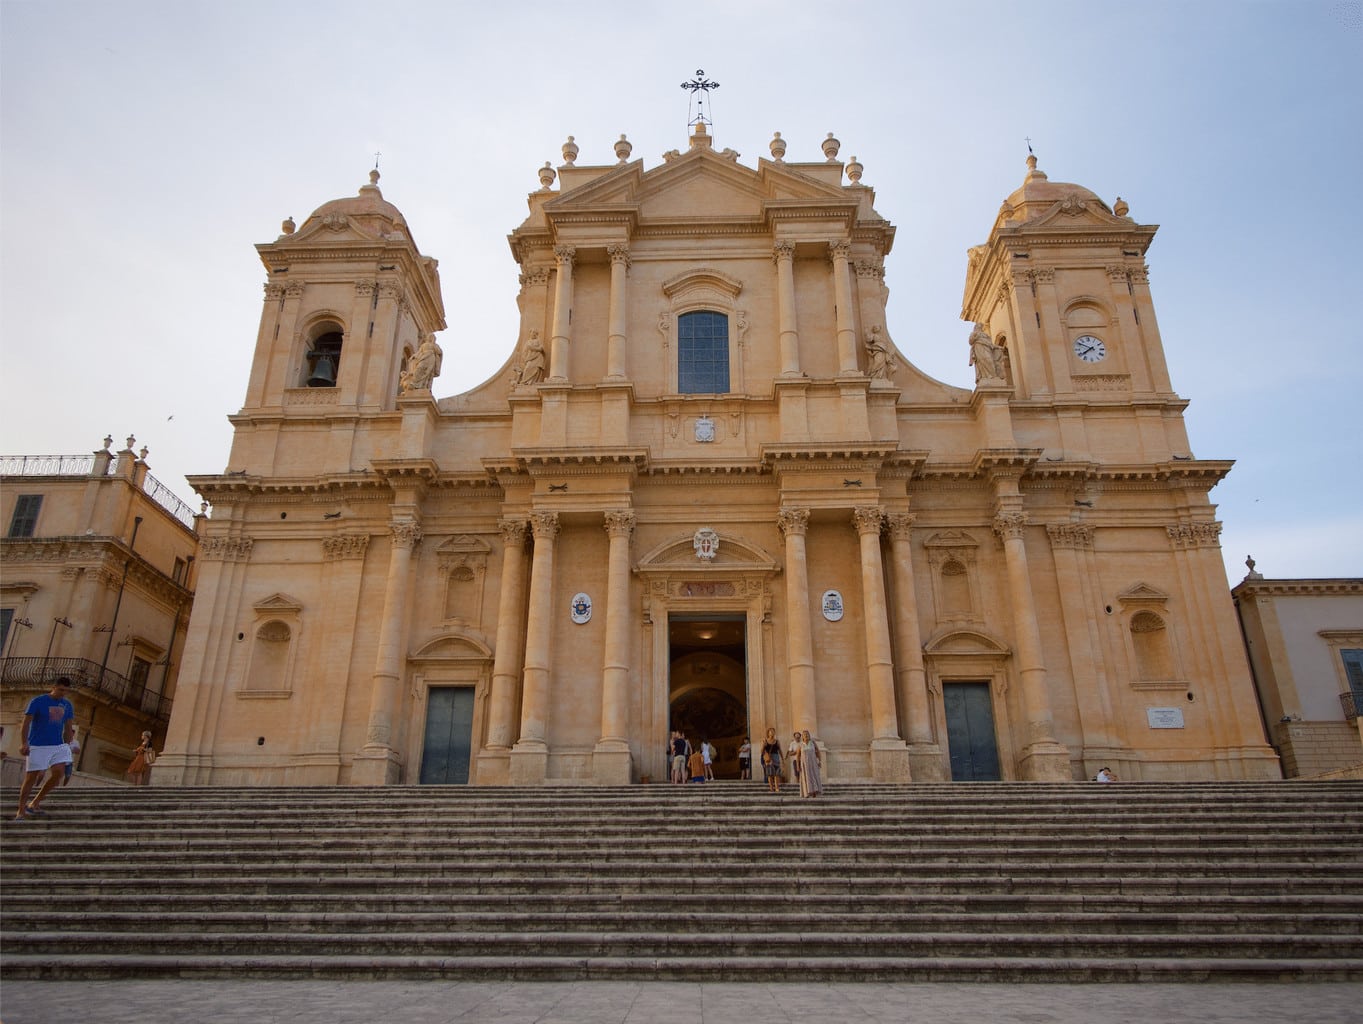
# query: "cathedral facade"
[[708, 492]]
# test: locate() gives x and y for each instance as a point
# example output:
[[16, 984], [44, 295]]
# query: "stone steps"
[[991, 882]]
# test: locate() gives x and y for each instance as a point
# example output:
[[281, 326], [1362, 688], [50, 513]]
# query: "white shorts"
[[40, 759]]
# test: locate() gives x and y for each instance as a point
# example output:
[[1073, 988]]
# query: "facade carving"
[[704, 425]]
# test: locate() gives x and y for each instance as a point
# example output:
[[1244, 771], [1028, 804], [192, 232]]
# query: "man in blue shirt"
[[45, 739]]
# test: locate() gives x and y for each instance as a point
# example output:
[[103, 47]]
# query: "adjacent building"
[[96, 584], [708, 490], [1304, 638]]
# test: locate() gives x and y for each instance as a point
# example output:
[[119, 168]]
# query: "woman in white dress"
[[811, 764]]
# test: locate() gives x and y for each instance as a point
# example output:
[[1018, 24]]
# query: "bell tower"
[[348, 300]]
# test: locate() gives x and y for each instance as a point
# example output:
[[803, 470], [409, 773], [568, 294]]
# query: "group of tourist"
[[47, 741], [688, 763]]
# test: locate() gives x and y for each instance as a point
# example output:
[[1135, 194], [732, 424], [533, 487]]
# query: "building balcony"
[[105, 686]]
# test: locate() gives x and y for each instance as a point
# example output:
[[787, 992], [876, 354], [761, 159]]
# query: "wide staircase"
[[721, 881]]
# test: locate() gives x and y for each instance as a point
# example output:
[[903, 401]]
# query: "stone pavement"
[[608, 1002]]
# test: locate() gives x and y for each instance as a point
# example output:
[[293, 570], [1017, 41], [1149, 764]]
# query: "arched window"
[[703, 353]]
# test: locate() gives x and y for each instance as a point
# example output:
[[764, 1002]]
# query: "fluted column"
[[784, 254], [376, 763], [562, 339], [847, 332], [1043, 760], [507, 659], [615, 343], [889, 755], [530, 755], [794, 523], [611, 762]]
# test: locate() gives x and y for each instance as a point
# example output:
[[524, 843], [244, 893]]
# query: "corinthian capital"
[[619, 524], [783, 251], [564, 254], [1009, 525], [901, 524], [794, 522], [868, 518], [618, 254], [544, 525], [406, 533], [1078, 536], [514, 531], [839, 250]]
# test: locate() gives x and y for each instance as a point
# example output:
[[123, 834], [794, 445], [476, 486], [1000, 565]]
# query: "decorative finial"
[[699, 84], [143, 453], [569, 152], [830, 148], [374, 176], [854, 170], [1249, 562], [108, 440], [778, 148], [131, 441], [1031, 161], [288, 227], [547, 176], [623, 149], [1120, 208]]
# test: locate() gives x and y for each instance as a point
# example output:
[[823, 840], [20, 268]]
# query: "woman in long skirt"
[[811, 764]]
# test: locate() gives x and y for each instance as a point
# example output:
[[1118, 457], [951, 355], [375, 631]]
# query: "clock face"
[[1090, 349]]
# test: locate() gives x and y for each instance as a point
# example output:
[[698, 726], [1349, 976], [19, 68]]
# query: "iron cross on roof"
[[699, 84]]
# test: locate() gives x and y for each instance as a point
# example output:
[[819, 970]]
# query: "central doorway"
[[970, 732], [707, 693]]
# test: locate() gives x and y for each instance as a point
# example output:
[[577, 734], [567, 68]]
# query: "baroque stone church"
[[707, 491]]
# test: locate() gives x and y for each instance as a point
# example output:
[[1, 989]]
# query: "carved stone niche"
[[461, 564], [1152, 652], [952, 557], [273, 651]]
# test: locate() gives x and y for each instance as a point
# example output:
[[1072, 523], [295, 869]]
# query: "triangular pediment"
[[1142, 593], [694, 184], [278, 603], [951, 539], [464, 545]]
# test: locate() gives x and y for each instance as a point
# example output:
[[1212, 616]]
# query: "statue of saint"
[[422, 368], [879, 360], [985, 356], [532, 370]]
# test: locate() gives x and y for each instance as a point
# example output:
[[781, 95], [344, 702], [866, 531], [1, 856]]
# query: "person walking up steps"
[[45, 739]]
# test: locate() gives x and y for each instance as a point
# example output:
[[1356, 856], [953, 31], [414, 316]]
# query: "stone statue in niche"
[[422, 368], [533, 369], [985, 356], [879, 361]]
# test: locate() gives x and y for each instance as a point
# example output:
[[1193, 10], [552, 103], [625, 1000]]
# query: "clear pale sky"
[[145, 147]]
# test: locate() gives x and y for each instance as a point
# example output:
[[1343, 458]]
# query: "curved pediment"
[[965, 641], [731, 553], [454, 647], [703, 278]]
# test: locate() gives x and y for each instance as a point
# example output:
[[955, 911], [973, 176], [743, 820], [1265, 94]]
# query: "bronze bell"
[[323, 371]]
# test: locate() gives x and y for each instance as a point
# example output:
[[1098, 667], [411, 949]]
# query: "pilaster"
[[794, 524], [889, 755], [530, 755]]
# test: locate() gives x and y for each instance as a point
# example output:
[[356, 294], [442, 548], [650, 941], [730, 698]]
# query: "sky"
[[146, 146]]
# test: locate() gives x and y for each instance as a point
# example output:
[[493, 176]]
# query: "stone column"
[[506, 663], [562, 339], [611, 759], [784, 254], [889, 755], [794, 523], [925, 755], [615, 344], [376, 764], [530, 755], [1043, 759], [842, 291]]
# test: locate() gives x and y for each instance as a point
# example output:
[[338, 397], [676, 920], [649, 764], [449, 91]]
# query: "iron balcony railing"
[[86, 674], [1351, 701], [84, 465]]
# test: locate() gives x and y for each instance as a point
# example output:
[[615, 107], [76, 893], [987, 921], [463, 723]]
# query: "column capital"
[[619, 523], [273, 290], [406, 533], [901, 524], [783, 251], [1078, 536], [869, 268], [1195, 535], [868, 519], [544, 525], [294, 289], [618, 254], [793, 521], [1009, 525], [345, 545], [839, 250], [535, 277], [564, 254], [514, 531]]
